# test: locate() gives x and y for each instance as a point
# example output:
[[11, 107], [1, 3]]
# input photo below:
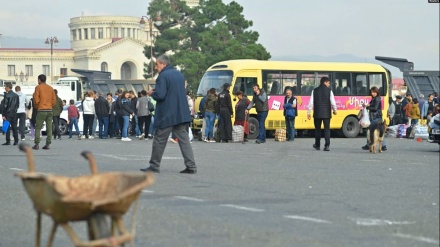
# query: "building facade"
[[105, 43]]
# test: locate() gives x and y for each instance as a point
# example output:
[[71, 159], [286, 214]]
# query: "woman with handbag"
[[290, 112], [240, 114]]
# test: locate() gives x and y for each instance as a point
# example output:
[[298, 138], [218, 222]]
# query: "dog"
[[379, 134]]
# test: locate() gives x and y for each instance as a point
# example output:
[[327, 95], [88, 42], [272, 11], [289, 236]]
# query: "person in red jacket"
[[73, 116]]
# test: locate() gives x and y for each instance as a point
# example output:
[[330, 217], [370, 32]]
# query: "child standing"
[[73, 116]]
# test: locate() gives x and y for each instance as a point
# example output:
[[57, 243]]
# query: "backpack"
[[150, 106]]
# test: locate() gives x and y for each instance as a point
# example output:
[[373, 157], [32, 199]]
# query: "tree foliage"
[[201, 36]]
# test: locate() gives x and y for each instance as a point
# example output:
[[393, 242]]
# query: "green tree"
[[202, 36]]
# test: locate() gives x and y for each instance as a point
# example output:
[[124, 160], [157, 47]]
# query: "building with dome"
[[112, 44], [103, 43]]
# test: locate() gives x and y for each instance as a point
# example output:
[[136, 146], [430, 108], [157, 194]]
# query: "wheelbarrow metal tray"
[[74, 199]]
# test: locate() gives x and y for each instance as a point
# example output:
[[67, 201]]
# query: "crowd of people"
[[128, 114], [112, 114]]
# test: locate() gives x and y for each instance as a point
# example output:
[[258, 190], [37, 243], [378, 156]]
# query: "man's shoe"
[[6, 144], [384, 148], [366, 147], [257, 141], [15, 143], [326, 148], [150, 169], [36, 147], [188, 171], [316, 147], [46, 147], [141, 137]]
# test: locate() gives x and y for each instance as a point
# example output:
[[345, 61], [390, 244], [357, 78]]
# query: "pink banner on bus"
[[342, 102]]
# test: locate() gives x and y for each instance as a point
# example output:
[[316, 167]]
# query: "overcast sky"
[[395, 28]]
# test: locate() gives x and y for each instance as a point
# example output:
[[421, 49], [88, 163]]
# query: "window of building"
[[108, 32], [29, 70], [122, 32], [134, 32], [63, 72], [104, 67], [86, 33], [115, 32], [46, 70], [129, 32], [100, 33], [92, 33], [126, 71], [79, 34], [11, 70], [74, 34]]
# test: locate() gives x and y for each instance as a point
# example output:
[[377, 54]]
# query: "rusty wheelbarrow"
[[91, 198]]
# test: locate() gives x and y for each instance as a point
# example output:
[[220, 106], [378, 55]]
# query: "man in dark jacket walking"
[[225, 114], [9, 112], [321, 102], [171, 114], [102, 110]]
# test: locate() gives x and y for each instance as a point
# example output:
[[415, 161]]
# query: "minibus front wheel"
[[351, 127], [253, 128]]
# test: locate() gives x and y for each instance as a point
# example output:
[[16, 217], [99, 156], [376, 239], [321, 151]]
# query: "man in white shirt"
[[21, 111]]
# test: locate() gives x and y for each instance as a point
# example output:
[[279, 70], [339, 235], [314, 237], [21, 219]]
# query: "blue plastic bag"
[[290, 111], [5, 125]]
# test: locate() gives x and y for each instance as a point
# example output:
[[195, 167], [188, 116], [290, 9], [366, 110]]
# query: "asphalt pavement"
[[272, 194]]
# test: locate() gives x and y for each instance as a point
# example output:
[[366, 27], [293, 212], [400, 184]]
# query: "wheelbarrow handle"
[[92, 162], [24, 147]]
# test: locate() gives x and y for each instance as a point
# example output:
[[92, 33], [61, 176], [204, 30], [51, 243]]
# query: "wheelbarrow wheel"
[[98, 227]]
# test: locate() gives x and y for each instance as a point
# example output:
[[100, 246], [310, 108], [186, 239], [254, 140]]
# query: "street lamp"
[[51, 41], [158, 22], [22, 77]]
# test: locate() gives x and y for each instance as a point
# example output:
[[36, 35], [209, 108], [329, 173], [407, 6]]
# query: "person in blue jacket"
[[172, 114]]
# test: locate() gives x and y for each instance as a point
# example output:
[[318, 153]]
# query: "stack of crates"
[[280, 135]]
